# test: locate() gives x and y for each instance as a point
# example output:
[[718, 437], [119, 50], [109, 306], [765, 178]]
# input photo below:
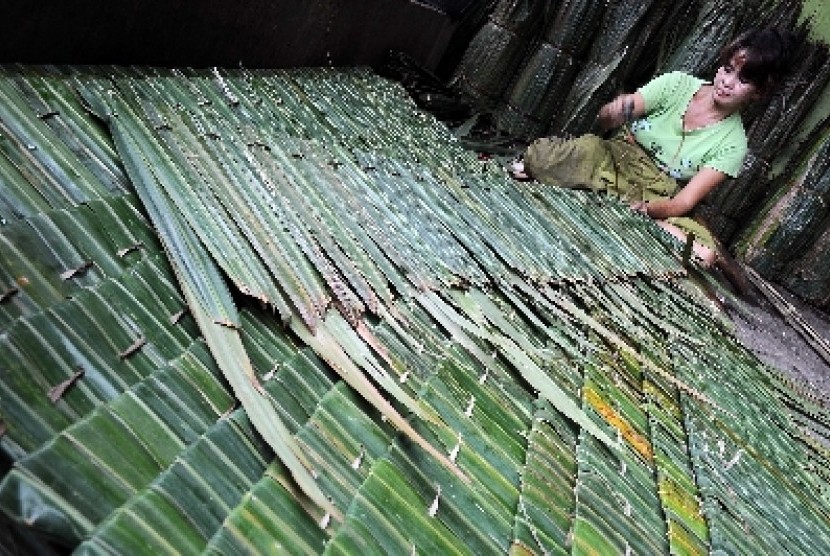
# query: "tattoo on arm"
[[627, 109], [619, 111]]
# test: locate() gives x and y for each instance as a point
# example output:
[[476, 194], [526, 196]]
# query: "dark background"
[[253, 33]]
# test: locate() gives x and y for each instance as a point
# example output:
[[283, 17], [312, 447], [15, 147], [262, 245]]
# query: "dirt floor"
[[762, 328]]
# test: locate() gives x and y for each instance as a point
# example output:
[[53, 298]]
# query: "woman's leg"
[[566, 162], [705, 253], [713, 257]]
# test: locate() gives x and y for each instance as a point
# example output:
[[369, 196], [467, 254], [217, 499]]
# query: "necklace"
[[707, 118], [702, 116]]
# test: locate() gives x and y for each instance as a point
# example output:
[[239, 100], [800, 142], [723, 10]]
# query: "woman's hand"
[[622, 110], [688, 197], [639, 206]]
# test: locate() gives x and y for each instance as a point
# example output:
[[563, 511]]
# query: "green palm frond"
[[123, 445], [56, 327]]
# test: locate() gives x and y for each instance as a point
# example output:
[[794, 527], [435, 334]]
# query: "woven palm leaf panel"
[[388, 347]]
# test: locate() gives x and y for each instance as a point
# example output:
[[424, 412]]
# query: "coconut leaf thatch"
[[288, 313]]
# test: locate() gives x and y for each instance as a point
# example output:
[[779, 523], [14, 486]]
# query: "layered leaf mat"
[[284, 312]]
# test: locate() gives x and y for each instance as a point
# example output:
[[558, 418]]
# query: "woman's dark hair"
[[768, 53]]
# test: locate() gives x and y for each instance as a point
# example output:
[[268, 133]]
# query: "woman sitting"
[[684, 136]]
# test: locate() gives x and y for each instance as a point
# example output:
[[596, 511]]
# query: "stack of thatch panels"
[[498, 49], [548, 72], [627, 29], [790, 241]]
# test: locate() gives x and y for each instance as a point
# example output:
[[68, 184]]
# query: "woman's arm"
[[621, 110], [698, 187]]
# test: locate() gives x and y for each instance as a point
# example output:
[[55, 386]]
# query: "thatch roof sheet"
[[429, 357]]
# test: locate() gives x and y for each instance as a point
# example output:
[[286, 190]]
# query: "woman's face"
[[730, 91]]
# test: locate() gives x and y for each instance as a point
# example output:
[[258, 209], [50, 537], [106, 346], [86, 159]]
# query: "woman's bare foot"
[[517, 170]]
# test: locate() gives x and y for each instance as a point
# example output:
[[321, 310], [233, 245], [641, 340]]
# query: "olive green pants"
[[614, 167]]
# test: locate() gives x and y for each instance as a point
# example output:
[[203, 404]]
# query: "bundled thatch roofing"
[[283, 311]]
